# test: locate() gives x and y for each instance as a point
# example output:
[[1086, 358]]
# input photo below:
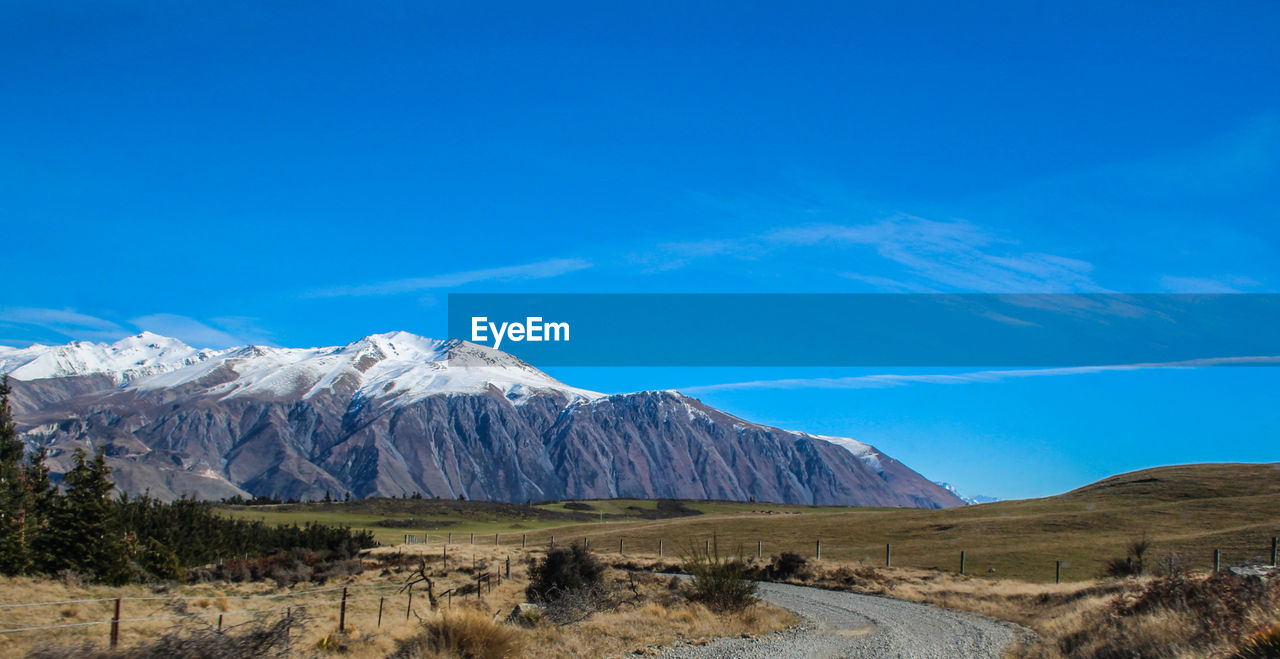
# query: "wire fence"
[[115, 621]]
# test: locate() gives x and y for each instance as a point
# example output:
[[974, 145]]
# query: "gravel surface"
[[840, 624]]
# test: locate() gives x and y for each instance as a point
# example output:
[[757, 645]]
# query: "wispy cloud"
[[1207, 285], [64, 322], [62, 325], [191, 331], [538, 270], [957, 255], [889, 380], [915, 254]]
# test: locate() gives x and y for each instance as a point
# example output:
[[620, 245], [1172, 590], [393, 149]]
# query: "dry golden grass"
[[656, 617]]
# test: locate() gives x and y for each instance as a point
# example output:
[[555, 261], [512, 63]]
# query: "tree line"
[[76, 525]]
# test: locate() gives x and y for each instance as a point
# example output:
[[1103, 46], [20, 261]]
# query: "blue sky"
[[250, 172]]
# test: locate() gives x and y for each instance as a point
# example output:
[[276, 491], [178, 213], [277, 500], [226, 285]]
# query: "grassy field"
[[1187, 512], [379, 613], [391, 519]]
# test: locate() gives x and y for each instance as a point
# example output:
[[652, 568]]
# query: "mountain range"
[[396, 414]]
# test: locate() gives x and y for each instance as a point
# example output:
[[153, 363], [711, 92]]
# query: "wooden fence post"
[[524, 539], [759, 548], [553, 542], [380, 602], [473, 537], [342, 612], [508, 567], [219, 623], [818, 550], [1058, 573], [706, 549], [961, 562], [1217, 560], [659, 548], [888, 554], [409, 607], [115, 625], [1275, 544], [621, 546]]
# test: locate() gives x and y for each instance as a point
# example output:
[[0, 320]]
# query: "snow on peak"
[[865, 452], [130, 358], [969, 501], [392, 368]]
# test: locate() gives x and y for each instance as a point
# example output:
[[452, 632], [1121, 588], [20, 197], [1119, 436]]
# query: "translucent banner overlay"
[[871, 330]]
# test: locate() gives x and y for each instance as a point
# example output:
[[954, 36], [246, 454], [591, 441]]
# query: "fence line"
[[299, 593], [191, 616]]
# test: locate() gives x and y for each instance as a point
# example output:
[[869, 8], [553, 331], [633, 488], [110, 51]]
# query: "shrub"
[[786, 566], [1134, 562], [297, 565], [719, 582], [467, 633], [562, 570]]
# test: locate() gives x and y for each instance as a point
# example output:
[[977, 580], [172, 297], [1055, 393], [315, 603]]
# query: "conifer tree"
[[42, 498], [15, 552], [85, 524]]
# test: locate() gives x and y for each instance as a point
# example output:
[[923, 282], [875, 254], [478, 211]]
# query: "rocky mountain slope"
[[395, 413]]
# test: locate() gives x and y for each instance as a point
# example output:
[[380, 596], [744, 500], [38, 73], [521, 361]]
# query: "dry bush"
[[466, 633], [1174, 616], [194, 641], [286, 568], [788, 566], [563, 569], [720, 582], [566, 607]]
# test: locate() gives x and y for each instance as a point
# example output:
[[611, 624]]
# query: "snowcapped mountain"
[[396, 413], [394, 368], [970, 501], [128, 359]]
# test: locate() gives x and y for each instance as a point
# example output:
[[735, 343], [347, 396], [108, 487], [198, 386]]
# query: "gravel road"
[[839, 624]]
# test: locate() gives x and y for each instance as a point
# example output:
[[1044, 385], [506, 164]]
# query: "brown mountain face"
[[207, 434]]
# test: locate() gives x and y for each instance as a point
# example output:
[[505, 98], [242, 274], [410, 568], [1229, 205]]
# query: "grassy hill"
[[1186, 511]]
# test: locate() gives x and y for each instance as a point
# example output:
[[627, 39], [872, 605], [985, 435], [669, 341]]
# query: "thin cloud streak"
[[65, 322], [538, 270], [935, 256], [76, 326], [889, 380]]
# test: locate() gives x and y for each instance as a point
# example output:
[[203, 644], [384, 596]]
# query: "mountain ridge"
[[395, 413]]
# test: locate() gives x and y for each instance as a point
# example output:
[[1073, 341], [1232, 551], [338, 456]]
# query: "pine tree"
[[42, 499], [15, 551], [86, 526]]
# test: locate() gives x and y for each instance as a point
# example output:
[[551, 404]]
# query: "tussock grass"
[[467, 633], [648, 613]]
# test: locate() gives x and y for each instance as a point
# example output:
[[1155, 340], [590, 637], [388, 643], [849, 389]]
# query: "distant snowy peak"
[[392, 368], [128, 359], [972, 501]]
